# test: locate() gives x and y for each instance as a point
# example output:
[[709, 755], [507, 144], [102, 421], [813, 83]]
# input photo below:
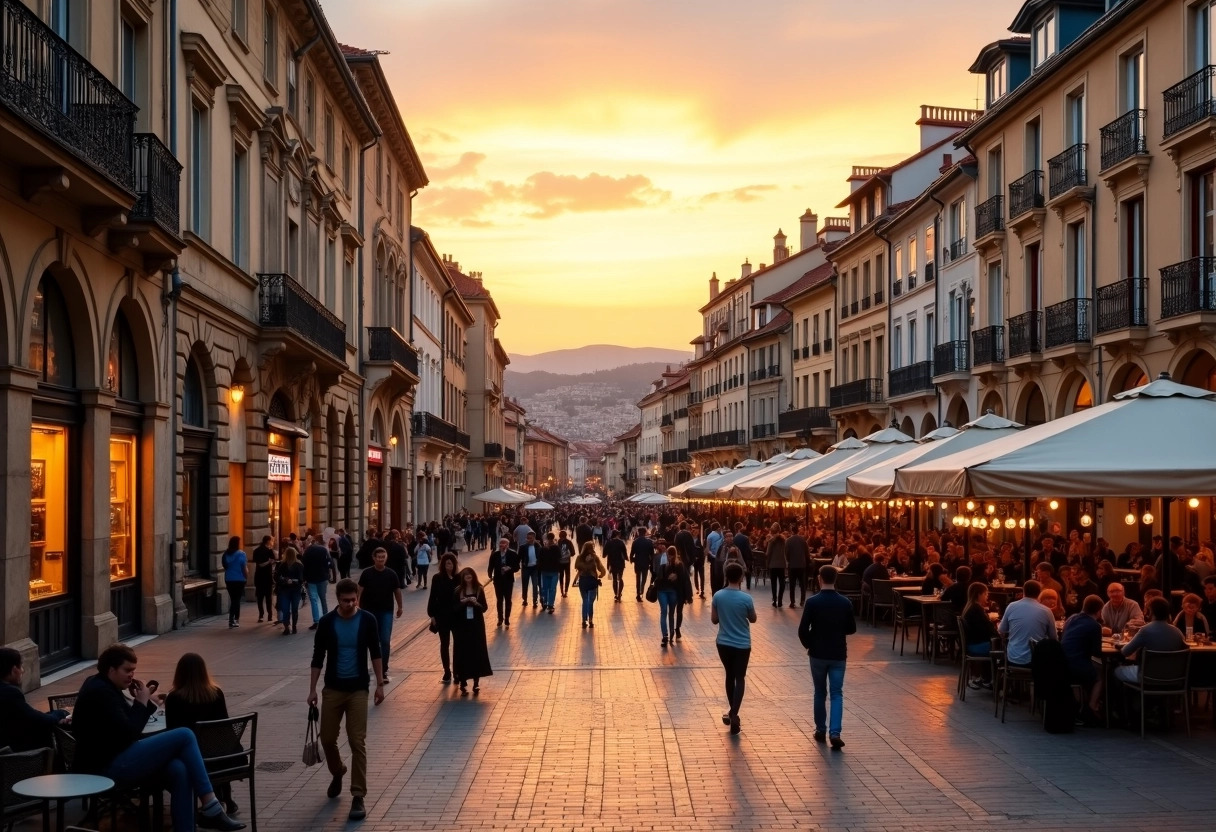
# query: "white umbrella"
[[830, 482], [590, 501], [710, 486], [650, 498], [774, 484], [504, 496], [878, 481], [1154, 441], [539, 505], [677, 490]]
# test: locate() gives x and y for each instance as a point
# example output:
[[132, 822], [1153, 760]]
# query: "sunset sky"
[[598, 159]]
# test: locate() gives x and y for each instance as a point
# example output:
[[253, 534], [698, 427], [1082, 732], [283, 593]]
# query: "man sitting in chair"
[[1158, 634], [22, 726]]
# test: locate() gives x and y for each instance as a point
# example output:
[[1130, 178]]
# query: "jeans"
[[548, 588], [776, 578], [384, 625], [734, 662], [353, 705], [529, 573], [618, 584], [289, 605], [236, 591], [589, 596], [668, 601], [980, 648], [174, 757], [698, 575], [318, 592], [641, 573], [797, 581], [421, 570], [502, 595], [565, 581], [828, 673]]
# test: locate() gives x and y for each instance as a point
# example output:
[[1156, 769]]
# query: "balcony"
[[865, 303], [989, 222], [1026, 204], [930, 271], [774, 370], [951, 358], [493, 450], [1068, 325], [1188, 295], [853, 307], [764, 431], [877, 297], [844, 311], [1190, 111], [667, 421], [864, 391], [1067, 176], [385, 344], [897, 288], [676, 457], [956, 250], [911, 380], [911, 281], [682, 413], [723, 439], [432, 427], [310, 331], [1122, 305], [509, 455], [694, 398], [155, 215], [756, 375], [804, 420], [815, 349], [1026, 334], [1125, 145], [827, 345], [988, 346]]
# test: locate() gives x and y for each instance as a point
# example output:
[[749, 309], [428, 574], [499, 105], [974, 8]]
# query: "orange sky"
[[598, 159]]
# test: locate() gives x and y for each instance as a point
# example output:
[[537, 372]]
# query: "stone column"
[[16, 391], [98, 625], [157, 520]]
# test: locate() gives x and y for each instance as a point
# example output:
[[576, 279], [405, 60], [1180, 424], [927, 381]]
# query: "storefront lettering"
[[278, 467]]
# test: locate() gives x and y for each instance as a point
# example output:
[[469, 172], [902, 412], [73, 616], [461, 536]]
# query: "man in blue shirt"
[[1081, 643], [734, 612], [827, 618]]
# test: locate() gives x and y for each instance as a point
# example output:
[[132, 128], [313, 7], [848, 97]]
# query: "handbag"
[[312, 748], [652, 593]]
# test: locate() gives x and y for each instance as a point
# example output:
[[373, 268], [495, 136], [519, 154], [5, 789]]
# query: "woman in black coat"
[[439, 608], [470, 656]]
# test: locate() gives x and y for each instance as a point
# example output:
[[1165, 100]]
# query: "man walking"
[[797, 555], [734, 612], [827, 618], [504, 563], [529, 566], [345, 639], [379, 587], [615, 557], [641, 553], [319, 572]]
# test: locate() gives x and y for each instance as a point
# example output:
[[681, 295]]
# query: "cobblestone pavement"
[[602, 729]]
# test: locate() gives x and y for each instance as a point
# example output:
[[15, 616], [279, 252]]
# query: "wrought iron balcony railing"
[[668, 420], [988, 345], [827, 344], [1068, 323], [897, 288], [859, 392], [1190, 101], [951, 357], [804, 420], [1026, 194], [1067, 171], [764, 431], [1122, 305], [509, 455], [877, 297], [157, 180], [957, 249], [385, 344], [428, 424], [865, 303], [1189, 286], [285, 304], [493, 450], [915, 378], [1124, 138], [930, 271], [723, 439], [1026, 333], [990, 216], [675, 457]]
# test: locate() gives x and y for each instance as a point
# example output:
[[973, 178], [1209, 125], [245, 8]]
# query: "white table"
[[60, 788]]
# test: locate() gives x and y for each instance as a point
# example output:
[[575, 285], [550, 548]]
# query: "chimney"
[[809, 229], [746, 269], [780, 250], [713, 286], [947, 162]]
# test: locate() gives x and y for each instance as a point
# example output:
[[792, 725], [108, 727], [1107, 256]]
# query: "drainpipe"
[[364, 404], [303, 50], [169, 300], [1093, 288]]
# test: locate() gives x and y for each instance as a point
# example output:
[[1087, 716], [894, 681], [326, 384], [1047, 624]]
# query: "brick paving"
[[602, 729]]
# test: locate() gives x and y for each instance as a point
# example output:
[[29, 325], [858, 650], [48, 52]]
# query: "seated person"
[[1078, 586], [979, 628], [1045, 574], [1051, 599], [1024, 620], [935, 580], [1208, 607], [1081, 642], [1191, 620], [1105, 577], [1157, 634], [108, 732], [956, 594], [1148, 580], [876, 571], [1119, 611], [22, 726], [194, 699]]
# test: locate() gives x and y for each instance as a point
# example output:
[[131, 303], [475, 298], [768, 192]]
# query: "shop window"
[[122, 514], [48, 511], [193, 411], [121, 373], [51, 353]]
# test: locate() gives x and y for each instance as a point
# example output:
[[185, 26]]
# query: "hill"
[[595, 357]]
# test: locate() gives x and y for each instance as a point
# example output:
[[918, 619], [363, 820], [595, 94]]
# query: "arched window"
[[194, 411], [52, 354], [279, 407], [1084, 398], [121, 369]]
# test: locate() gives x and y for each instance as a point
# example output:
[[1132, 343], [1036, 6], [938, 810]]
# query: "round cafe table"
[[60, 788]]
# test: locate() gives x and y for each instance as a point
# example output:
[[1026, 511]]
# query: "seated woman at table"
[[194, 699], [1077, 587], [935, 580], [1148, 580], [1105, 576], [1081, 642], [956, 593], [1051, 599], [1191, 620], [979, 628], [1132, 556]]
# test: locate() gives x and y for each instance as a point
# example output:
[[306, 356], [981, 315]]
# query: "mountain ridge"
[[593, 358]]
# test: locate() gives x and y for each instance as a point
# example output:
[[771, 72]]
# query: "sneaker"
[[335, 785], [218, 821], [821, 736], [313, 627], [974, 684], [837, 743], [357, 811], [447, 678], [726, 718]]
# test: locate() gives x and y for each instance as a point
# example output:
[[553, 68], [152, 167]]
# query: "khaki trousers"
[[353, 705]]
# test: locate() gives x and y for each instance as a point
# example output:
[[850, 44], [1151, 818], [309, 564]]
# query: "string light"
[[1053, 505], [1130, 519], [1193, 502], [1086, 520], [1148, 518]]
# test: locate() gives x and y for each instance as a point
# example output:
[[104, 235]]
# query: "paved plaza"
[[603, 729]]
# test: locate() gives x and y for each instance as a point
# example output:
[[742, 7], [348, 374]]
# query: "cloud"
[[433, 135], [748, 193], [542, 195], [462, 169]]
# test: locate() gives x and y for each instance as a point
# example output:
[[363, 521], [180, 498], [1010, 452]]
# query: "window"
[[897, 347], [270, 44], [122, 377], [955, 311], [123, 529], [867, 358], [912, 341], [240, 208], [899, 262], [930, 333], [1203, 35], [996, 172], [996, 294], [293, 84], [331, 273], [880, 357], [1077, 260], [200, 171], [880, 273], [379, 169], [998, 82], [1034, 273], [1074, 114], [347, 156], [1043, 39], [52, 354], [193, 399], [930, 235], [1132, 66], [401, 223], [293, 248], [1203, 214], [1133, 237], [329, 136], [48, 511], [815, 330], [272, 223], [127, 59], [240, 19], [1034, 145], [865, 280], [310, 110]]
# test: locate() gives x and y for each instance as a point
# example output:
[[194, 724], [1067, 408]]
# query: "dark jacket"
[[398, 559], [549, 559], [181, 713], [500, 561], [22, 726], [827, 618], [439, 604], [797, 553], [366, 551], [641, 552], [524, 556], [614, 554], [684, 545], [317, 564], [325, 650], [105, 724], [582, 534], [285, 573]]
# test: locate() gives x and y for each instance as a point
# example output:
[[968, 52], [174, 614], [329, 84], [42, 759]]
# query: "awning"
[[286, 428]]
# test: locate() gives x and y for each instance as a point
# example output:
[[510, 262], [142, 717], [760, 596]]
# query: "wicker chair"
[[15, 767], [229, 749], [62, 702]]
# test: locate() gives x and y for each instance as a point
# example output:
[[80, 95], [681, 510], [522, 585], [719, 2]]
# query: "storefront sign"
[[375, 455], [278, 467]]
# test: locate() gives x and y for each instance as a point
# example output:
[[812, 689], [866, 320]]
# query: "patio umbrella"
[[504, 496], [830, 482], [539, 505], [1153, 441], [710, 486], [878, 481], [774, 483], [650, 498], [677, 490], [590, 501]]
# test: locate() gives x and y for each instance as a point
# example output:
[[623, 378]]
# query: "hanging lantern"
[[1086, 520], [1193, 502], [970, 505], [1148, 518], [1022, 523], [1010, 522], [1030, 522], [990, 508], [1053, 505], [1130, 519]]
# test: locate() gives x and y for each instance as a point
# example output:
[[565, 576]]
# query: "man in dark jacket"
[[108, 732], [368, 550], [319, 571], [398, 556], [827, 618], [744, 544], [798, 555], [346, 549], [504, 563], [615, 558], [22, 726], [641, 554], [345, 639], [582, 533]]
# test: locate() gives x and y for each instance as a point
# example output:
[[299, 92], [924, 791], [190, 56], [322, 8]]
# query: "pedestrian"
[[346, 553], [319, 571], [614, 554], [797, 555], [549, 566], [827, 618], [529, 561], [371, 543], [669, 574], [422, 562], [641, 555], [379, 588], [289, 577], [439, 608], [504, 563], [734, 612], [236, 577], [194, 698], [470, 656], [590, 571], [567, 552], [345, 639], [774, 554], [264, 561]]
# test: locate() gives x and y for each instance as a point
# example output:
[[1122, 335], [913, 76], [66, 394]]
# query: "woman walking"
[[422, 562], [669, 577], [589, 570], [439, 608], [470, 656], [290, 578], [264, 561], [236, 577]]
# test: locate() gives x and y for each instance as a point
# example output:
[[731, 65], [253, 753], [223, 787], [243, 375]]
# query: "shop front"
[[375, 490]]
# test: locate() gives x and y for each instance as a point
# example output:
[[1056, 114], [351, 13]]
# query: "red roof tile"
[[812, 278], [467, 286]]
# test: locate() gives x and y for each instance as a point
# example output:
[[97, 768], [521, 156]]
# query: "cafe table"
[[60, 788], [926, 603], [1112, 656]]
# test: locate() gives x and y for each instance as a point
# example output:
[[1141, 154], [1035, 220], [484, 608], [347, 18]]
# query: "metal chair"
[[1163, 673], [881, 598], [1012, 674], [17, 766], [848, 584], [62, 702], [968, 661], [229, 749], [142, 797], [902, 620], [942, 628]]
